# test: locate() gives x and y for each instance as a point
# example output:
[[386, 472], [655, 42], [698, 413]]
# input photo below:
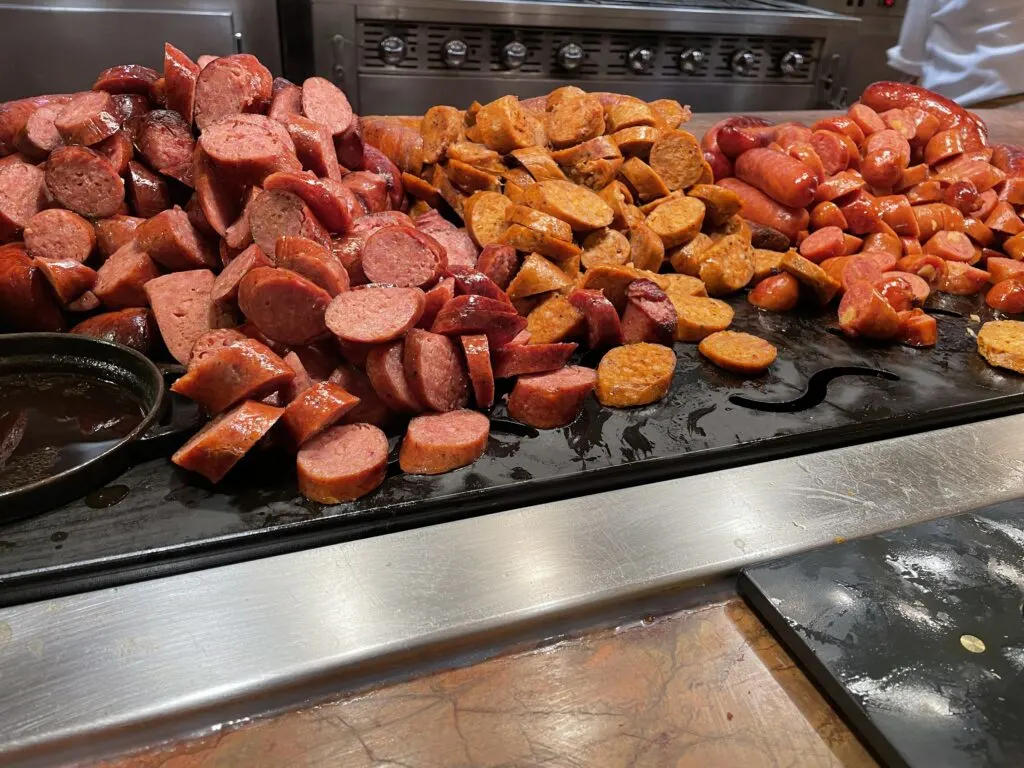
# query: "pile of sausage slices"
[[321, 275]]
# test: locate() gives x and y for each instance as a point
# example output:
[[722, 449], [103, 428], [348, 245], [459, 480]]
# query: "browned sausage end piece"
[[551, 400], [218, 446]]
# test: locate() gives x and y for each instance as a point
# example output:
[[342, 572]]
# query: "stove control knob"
[[570, 57], [743, 62], [690, 60], [392, 49], [791, 62], [454, 53], [513, 55], [640, 59]]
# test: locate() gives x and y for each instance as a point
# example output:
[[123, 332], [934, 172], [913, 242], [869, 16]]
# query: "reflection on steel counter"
[[394, 57]]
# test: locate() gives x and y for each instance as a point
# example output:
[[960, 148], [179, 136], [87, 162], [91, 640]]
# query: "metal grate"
[[606, 53]]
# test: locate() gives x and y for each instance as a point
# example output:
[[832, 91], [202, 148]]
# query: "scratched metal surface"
[[157, 658], [880, 624]]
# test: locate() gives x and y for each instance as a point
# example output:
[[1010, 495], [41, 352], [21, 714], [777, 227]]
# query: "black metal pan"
[[75, 412]]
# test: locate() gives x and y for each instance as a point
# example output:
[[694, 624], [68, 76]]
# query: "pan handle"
[[181, 418]]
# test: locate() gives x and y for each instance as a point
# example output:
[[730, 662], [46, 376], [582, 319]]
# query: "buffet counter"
[[117, 669]]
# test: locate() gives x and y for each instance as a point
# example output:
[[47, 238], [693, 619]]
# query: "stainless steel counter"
[[90, 673]]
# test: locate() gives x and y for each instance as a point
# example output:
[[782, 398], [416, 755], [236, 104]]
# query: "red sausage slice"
[[223, 377], [246, 149], [519, 359], [182, 306], [230, 85], [436, 298], [603, 326], [371, 408], [127, 78], [284, 306], [318, 407], [440, 442], [649, 316], [285, 101], [313, 146], [385, 367], [120, 281], [164, 139], [314, 262], [776, 293], [25, 302], [332, 205], [84, 182], [218, 446], [1007, 296], [115, 232], [435, 371], [117, 150], [88, 118], [275, 213], [39, 137], [131, 327], [22, 195], [324, 102], [171, 241], [478, 314], [551, 400], [824, 243], [68, 278], [498, 262], [342, 463], [220, 202], [374, 315], [59, 235], [863, 311], [147, 192], [917, 329], [918, 285], [481, 374], [404, 257], [180, 75], [225, 287]]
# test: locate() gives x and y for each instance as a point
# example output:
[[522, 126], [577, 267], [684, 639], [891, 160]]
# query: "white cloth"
[[966, 50]]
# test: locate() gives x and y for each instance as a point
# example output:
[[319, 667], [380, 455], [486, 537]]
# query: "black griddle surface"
[[169, 521], [880, 624]]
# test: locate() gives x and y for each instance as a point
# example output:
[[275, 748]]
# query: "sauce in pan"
[[51, 422]]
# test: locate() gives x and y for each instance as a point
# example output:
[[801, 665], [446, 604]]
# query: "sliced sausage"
[[866, 118], [898, 290], [886, 156], [230, 85], [578, 206], [649, 315], [117, 150], [39, 136], [1007, 296], [170, 240], [1004, 269], [678, 159], [342, 463], [825, 214], [551, 400], [375, 314], [59, 235], [285, 100], [951, 246], [961, 279], [225, 288], [180, 75], [164, 139], [635, 374], [147, 192], [478, 365], [370, 189], [316, 408], [211, 341], [777, 293], [120, 281], [68, 278], [25, 302], [226, 375], [519, 359], [385, 368], [435, 299], [784, 179], [604, 328], [246, 149], [726, 266], [283, 305], [127, 78], [221, 444], [313, 145], [181, 305], [440, 442], [678, 221], [738, 352], [403, 257], [479, 314], [324, 102], [23, 194], [759, 208], [333, 204], [132, 327], [897, 212], [944, 145], [115, 232], [917, 329], [89, 118], [435, 371], [313, 261], [440, 127], [824, 243], [918, 285], [863, 311], [811, 275], [221, 202], [84, 182], [276, 213]]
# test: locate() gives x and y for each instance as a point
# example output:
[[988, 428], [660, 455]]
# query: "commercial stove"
[[399, 57]]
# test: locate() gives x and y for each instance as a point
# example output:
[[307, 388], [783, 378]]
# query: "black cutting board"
[[170, 520], [880, 625]]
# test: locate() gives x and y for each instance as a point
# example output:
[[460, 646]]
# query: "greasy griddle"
[[824, 391]]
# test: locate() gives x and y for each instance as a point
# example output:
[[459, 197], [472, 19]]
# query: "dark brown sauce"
[[51, 422]]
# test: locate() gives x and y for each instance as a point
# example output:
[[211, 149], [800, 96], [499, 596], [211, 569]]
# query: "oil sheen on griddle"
[[51, 422]]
